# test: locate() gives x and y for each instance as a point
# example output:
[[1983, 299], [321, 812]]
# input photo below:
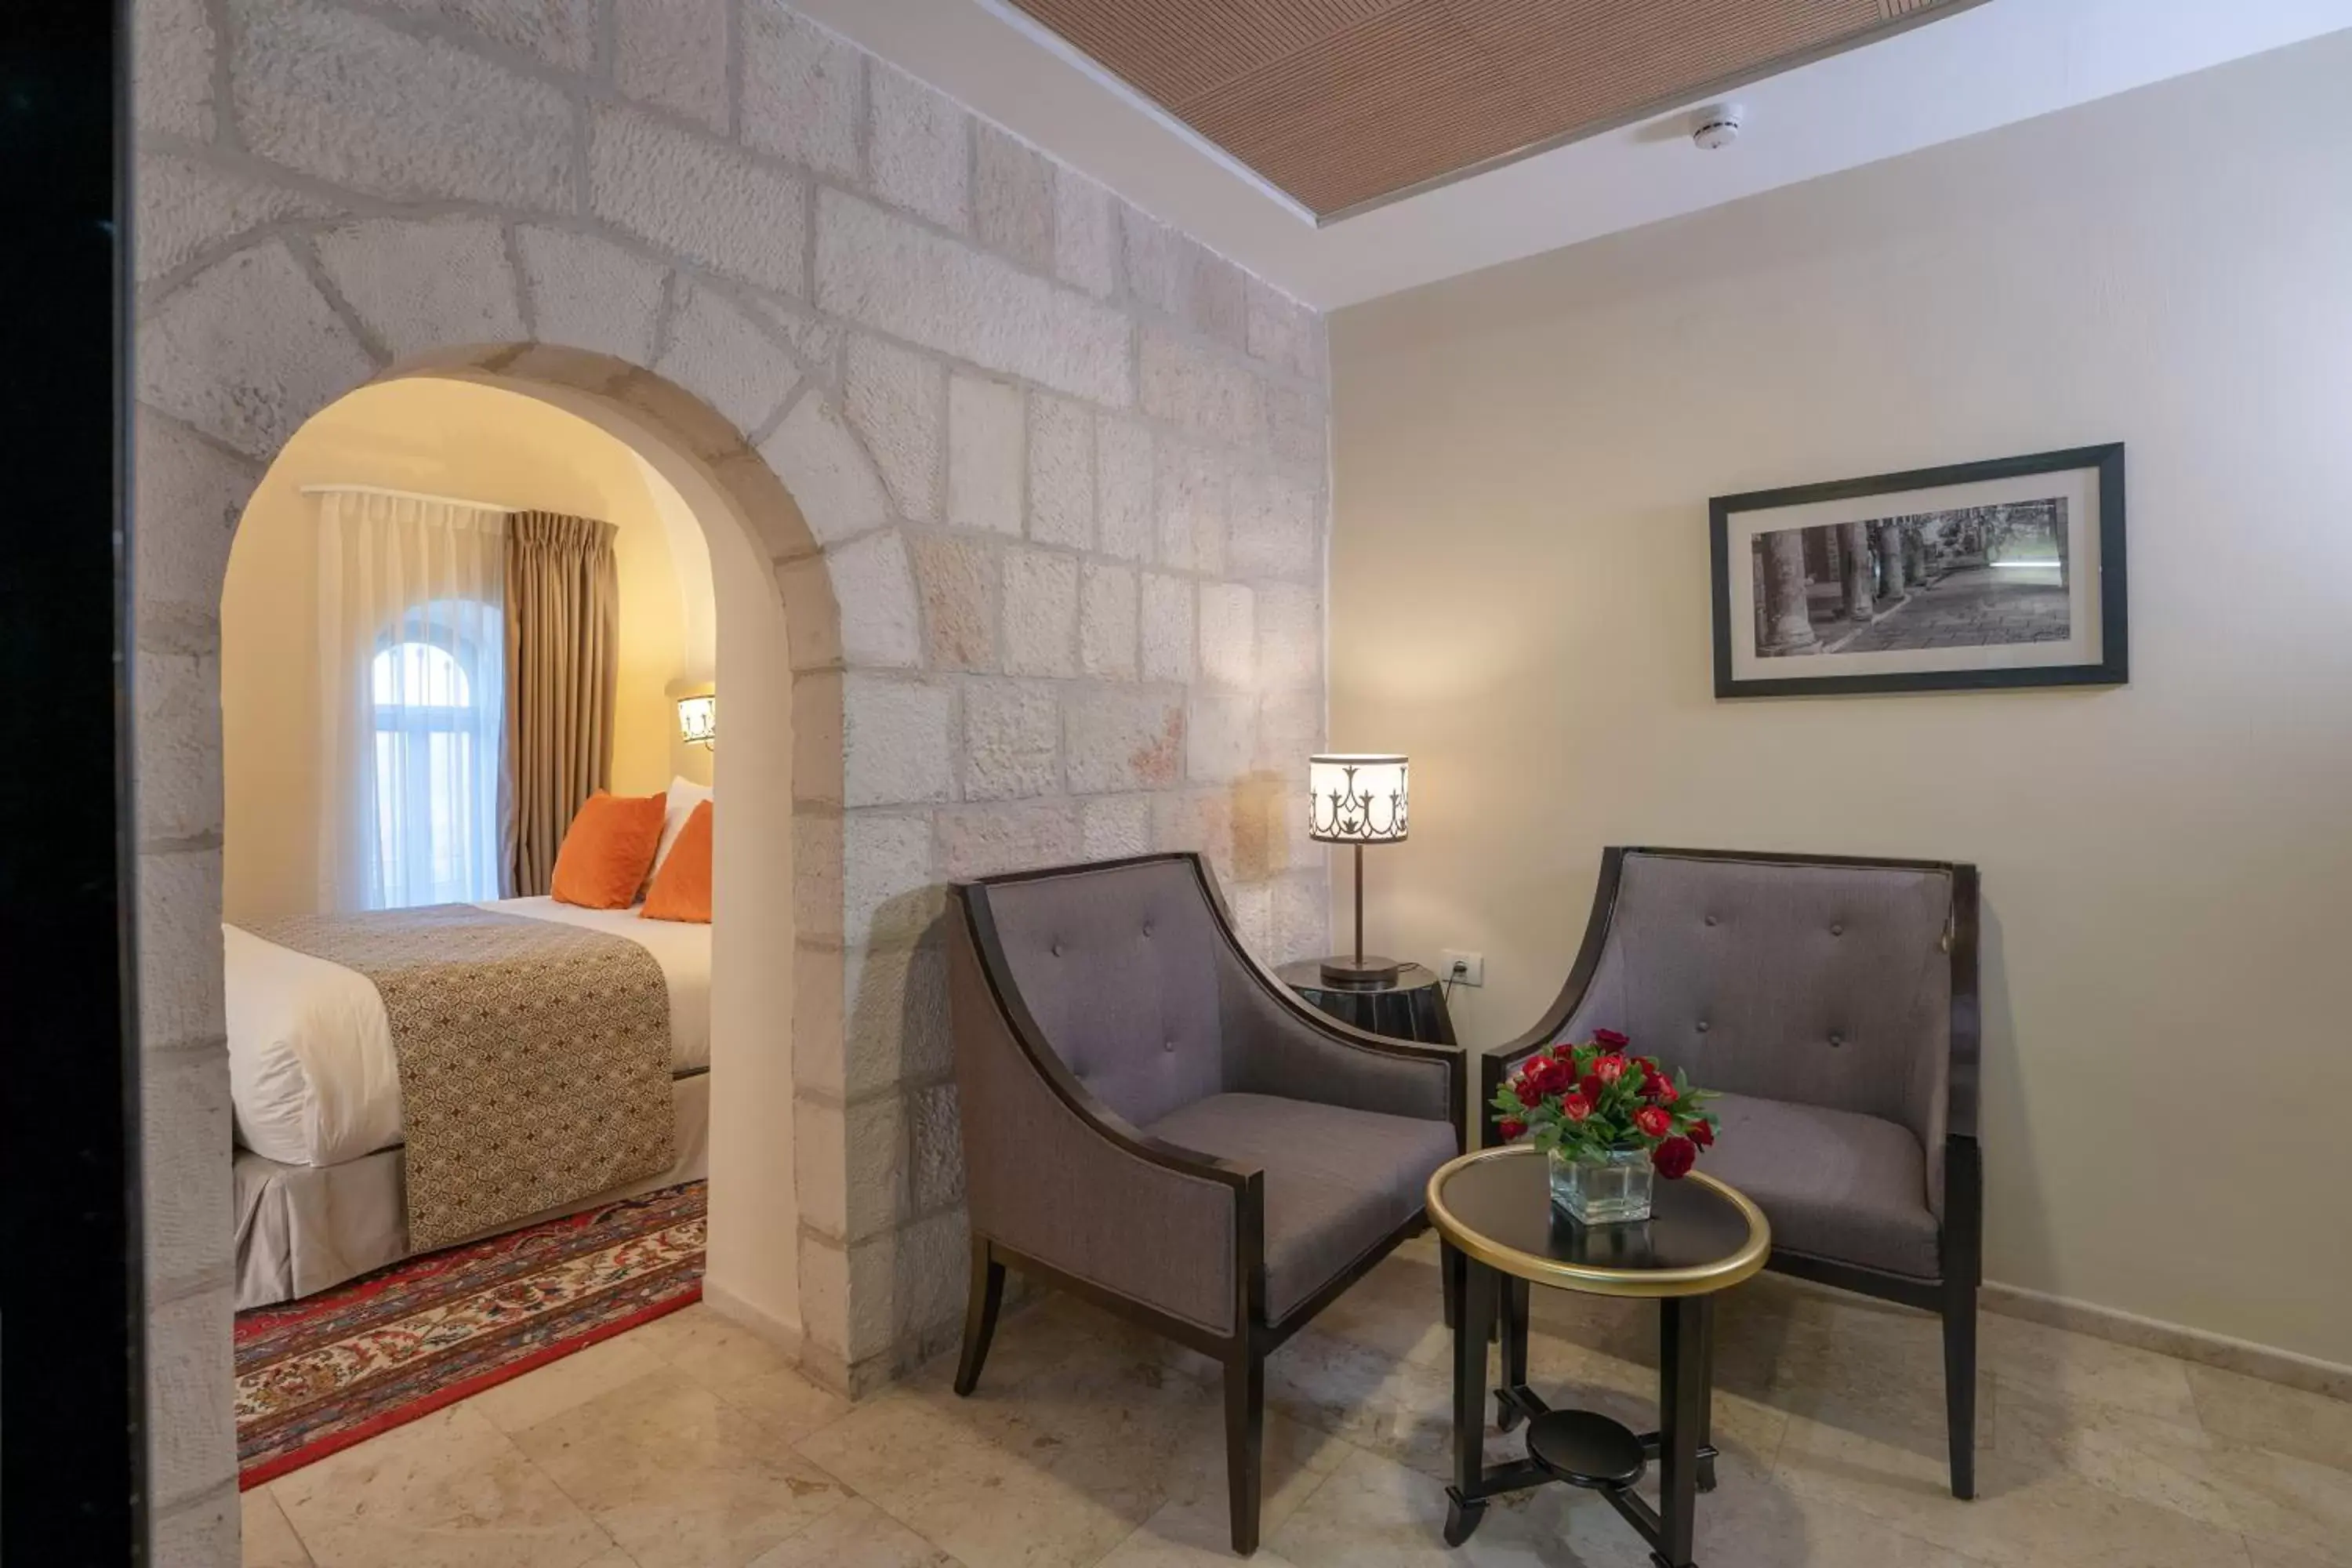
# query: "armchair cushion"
[[1835, 1185], [1338, 1181]]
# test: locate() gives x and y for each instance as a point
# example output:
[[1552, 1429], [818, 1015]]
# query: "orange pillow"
[[682, 887], [606, 855]]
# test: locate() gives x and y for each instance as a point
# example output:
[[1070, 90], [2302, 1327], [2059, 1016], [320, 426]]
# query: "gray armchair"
[[1831, 1003], [1154, 1123]]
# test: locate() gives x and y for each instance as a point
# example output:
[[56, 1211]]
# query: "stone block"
[[247, 350], [180, 1004], [987, 439], [874, 583], [341, 96], [824, 1296], [1272, 527], [898, 741], [589, 293], [1302, 916], [172, 45], [187, 207], [191, 1219], [1107, 622], [725, 358], [1061, 472], [191, 1394], [419, 286], [887, 1009], [178, 741], [888, 894], [1166, 628], [1256, 802], [1122, 738], [896, 277], [201, 1533], [1252, 905], [1189, 498], [673, 53], [897, 401], [937, 1134], [1214, 290], [1041, 613], [1221, 736], [983, 840], [850, 1166], [961, 587], [1123, 487], [1013, 203], [1112, 826], [818, 727], [697, 198], [189, 498], [826, 473], [1188, 384], [1198, 820], [1289, 727], [1085, 233], [919, 146], [905, 1283], [802, 90], [1151, 261], [1298, 426], [816, 342], [1289, 635], [1284, 332], [560, 32], [1012, 740], [1228, 635]]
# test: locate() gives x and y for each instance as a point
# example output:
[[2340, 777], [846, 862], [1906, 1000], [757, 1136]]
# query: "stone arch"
[[241, 345]]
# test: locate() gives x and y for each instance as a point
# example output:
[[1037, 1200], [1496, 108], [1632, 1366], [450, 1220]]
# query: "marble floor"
[[688, 1444]]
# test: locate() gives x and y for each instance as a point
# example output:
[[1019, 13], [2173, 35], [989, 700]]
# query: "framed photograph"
[[2009, 573]]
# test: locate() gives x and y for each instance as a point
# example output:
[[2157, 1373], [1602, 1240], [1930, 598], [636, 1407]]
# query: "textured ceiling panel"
[[1341, 102]]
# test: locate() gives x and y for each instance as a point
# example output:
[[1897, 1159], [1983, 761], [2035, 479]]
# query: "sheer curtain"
[[411, 647]]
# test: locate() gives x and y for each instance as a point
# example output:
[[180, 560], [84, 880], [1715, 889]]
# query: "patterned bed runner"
[[534, 1056]]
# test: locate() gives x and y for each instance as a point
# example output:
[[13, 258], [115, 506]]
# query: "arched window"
[[435, 687]]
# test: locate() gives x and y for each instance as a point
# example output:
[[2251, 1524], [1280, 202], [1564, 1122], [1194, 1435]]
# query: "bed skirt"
[[302, 1228]]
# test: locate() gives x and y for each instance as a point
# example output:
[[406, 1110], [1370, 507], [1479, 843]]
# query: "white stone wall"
[[1052, 555]]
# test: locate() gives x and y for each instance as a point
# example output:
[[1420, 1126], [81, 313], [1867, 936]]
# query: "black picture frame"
[[2111, 668]]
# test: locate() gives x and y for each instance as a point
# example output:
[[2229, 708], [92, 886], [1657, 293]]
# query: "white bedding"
[[312, 1079]]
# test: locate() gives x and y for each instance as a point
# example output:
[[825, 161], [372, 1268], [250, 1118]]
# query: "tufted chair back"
[[1824, 985], [1118, 965]]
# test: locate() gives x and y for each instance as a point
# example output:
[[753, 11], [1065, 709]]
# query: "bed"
[[315, 1091]]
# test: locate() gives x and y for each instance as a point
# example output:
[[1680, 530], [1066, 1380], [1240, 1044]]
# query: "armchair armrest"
[[1054, 1173]]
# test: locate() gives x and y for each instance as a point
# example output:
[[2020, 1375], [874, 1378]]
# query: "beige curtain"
[[563, 664]]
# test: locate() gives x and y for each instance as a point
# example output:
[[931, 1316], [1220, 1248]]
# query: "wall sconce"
[[697, 718]]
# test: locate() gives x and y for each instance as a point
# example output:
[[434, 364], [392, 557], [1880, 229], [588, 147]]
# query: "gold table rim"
[[1593, 1278]]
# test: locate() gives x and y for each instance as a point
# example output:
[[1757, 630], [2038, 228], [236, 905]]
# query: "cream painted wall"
[[443, 437], [1520, 599]]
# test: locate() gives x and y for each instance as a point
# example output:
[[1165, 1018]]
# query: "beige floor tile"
[[2131, 1454], [2272, 1415], [2288, 1502], [990, 1490], [2024, 1516], [785, 1401], [855, 1535], [1753, 1521], [1195, 1524], [269, 1540], [1397, 1309], [448, 1489], [1372, 1512], [552, 1389], [2080, 1368], [707, 1348], [680, 1477]]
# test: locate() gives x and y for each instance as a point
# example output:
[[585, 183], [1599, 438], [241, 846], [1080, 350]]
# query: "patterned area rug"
[[317, 1375]]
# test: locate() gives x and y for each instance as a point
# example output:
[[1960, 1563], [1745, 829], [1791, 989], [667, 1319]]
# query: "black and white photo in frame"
[[2000, 574]]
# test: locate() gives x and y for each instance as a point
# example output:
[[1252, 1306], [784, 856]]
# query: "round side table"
[[1410, 1007], [1494, 1215]]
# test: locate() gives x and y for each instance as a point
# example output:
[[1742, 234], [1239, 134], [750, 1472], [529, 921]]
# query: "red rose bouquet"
[[1586, 1101]]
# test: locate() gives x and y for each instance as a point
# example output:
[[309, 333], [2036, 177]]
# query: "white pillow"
[[684, 796]]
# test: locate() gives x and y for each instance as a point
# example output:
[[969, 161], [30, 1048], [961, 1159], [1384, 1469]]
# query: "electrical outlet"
[[1467, 968]]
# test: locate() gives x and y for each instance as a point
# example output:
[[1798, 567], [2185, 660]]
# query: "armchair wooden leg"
[[1961, 1385], [1245, 1432], [980, 1313]]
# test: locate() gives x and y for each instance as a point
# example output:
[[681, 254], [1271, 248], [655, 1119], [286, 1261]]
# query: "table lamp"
[[1359, 799]]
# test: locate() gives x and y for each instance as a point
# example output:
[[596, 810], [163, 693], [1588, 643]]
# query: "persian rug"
[[318, 1376]]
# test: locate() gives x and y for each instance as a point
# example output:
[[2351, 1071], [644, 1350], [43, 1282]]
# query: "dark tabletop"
[[1410, 1007], [1495, 1206]]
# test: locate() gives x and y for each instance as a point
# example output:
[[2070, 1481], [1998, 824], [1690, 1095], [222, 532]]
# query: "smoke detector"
[[1717, 125]]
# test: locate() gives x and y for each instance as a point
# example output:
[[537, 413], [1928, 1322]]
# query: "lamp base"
[[1369, 970]]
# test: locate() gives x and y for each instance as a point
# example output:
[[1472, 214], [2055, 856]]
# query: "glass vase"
[[1611, 1187]]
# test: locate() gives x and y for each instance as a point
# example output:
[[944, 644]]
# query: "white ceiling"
[[2003, 61]]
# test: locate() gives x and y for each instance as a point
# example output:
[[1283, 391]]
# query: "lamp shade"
[[1356, 798], [698, 719]]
